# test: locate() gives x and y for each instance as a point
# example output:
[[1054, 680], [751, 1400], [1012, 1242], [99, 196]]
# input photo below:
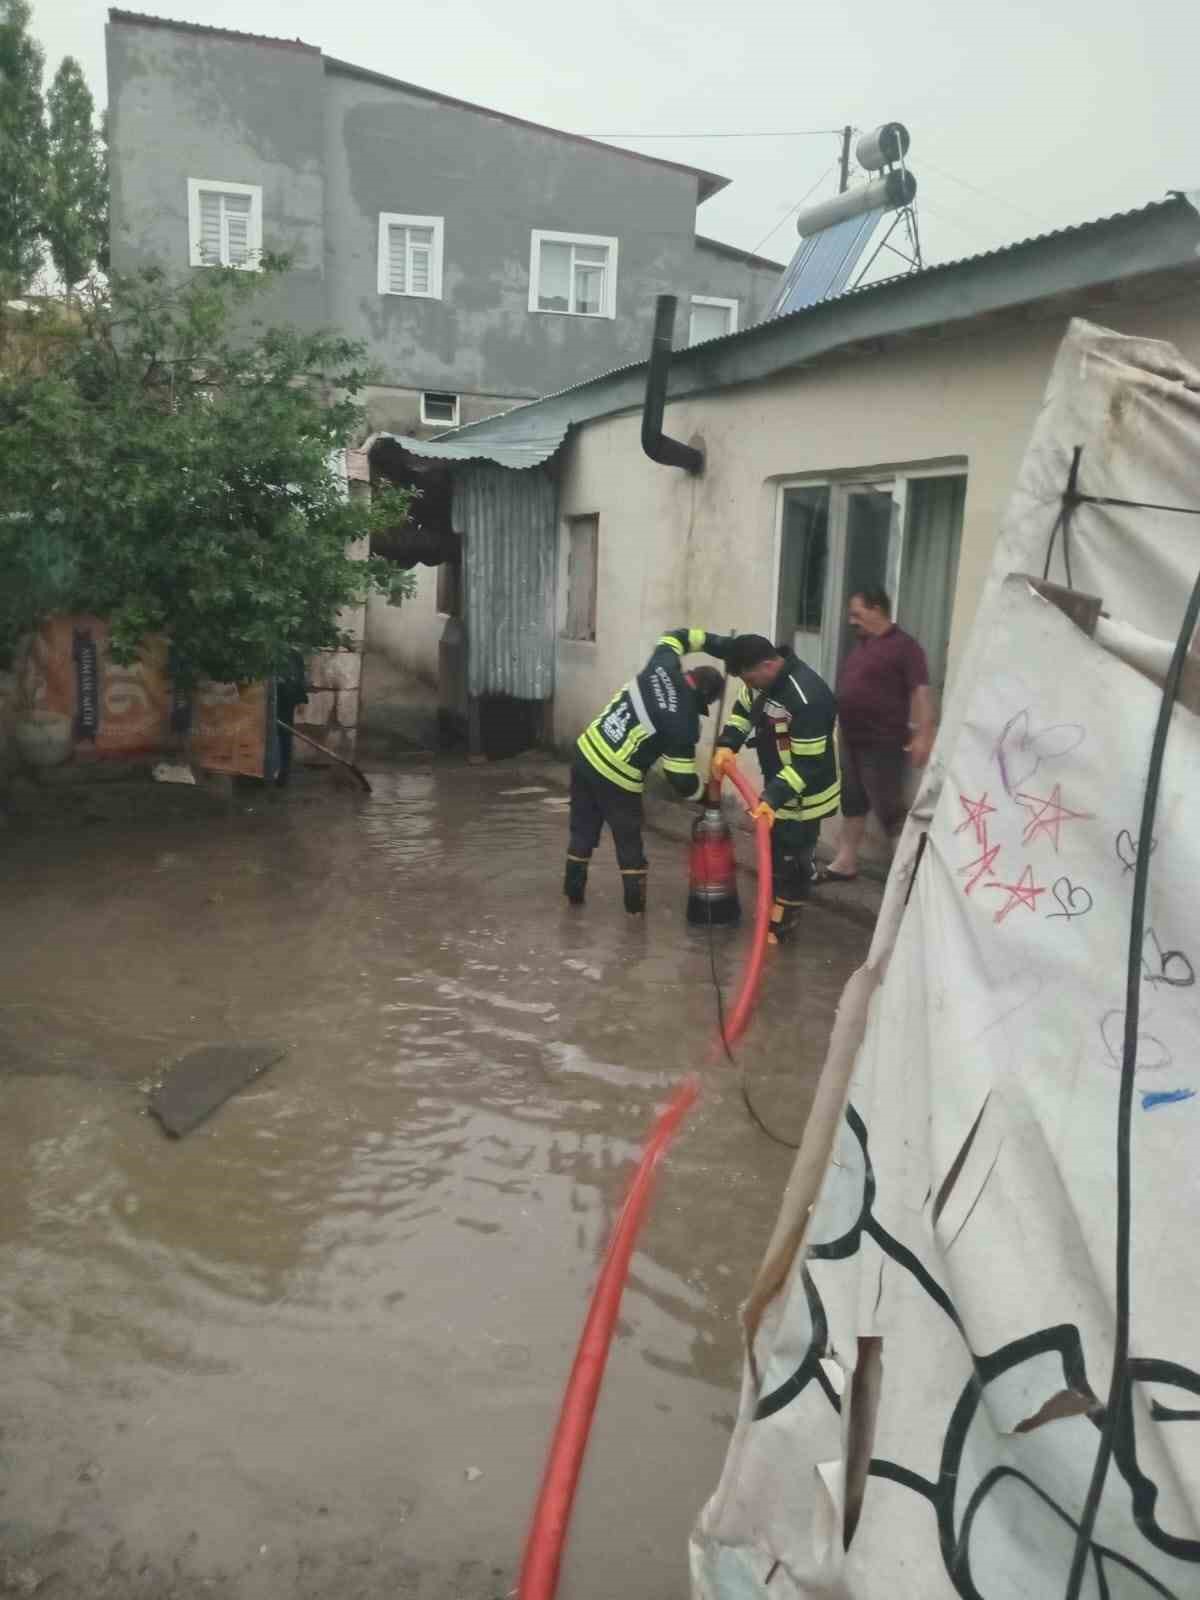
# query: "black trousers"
[[792, 847], [595, 801]]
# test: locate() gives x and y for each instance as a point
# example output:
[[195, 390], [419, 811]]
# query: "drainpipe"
[[656, 444]]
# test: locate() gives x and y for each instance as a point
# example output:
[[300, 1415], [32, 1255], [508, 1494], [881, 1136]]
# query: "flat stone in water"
[[204, 1079]]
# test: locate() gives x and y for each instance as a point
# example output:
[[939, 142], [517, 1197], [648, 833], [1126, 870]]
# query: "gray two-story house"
[[484, 260]]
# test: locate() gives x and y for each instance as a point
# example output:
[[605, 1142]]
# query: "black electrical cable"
[[1115, 1411], [742, 1071]]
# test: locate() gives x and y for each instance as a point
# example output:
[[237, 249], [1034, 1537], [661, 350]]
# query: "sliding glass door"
[[899, 533]]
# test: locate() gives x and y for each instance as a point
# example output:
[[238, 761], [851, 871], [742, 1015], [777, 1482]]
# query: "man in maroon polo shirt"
[[885, 720]]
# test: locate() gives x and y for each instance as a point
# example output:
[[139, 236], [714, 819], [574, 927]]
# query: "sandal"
[[828, 875]]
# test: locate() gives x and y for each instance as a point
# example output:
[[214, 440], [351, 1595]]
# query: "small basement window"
[[224, 224], [439, 409]]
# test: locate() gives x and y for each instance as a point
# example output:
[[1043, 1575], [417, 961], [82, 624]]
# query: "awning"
[[528, 453]]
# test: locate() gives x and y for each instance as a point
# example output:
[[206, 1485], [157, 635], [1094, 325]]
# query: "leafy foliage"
[[75, 210], [171, 465], [23, 149]]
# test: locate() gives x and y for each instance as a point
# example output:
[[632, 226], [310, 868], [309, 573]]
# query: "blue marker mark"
[[1165, 1097]]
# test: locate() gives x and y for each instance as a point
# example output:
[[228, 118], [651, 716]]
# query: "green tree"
[[75, 208], [172, 466], [23, 149]]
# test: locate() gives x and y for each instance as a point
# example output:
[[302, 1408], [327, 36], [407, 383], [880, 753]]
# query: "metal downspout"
[[668, 452]]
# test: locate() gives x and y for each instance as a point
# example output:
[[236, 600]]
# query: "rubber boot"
[[784, 917], [634, 884], [575, 879]]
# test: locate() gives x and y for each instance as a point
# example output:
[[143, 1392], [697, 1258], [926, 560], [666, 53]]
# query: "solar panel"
[[823, 263]]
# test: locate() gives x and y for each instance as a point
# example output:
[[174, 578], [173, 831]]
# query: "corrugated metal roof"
[[529, 453], [703, 352]]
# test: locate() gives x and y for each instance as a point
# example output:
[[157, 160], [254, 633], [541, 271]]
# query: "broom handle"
[[289, 727]]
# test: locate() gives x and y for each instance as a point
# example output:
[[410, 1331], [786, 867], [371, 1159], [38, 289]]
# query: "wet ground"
[[316, 1348]]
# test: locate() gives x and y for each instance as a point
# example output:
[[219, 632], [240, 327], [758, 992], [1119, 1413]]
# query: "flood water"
[[317, 1347]]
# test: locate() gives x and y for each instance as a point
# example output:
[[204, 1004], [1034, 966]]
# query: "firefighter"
[[791, 713], [654, 717]]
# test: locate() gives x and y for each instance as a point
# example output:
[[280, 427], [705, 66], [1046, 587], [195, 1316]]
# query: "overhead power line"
[[990, 195], [793, 210]]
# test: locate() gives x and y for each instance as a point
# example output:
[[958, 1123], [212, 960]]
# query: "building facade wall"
[[333, 147], [187, 105], [720, 273], [493, 183]]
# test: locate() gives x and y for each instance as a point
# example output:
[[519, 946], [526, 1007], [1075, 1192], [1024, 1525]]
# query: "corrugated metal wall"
[[510, 557]]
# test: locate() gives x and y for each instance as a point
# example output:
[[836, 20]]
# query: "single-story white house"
[[873, 437]]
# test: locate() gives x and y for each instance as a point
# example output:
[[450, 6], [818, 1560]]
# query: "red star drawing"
[[1047, 816], [982, 866], [1022, 893], [978, 812]]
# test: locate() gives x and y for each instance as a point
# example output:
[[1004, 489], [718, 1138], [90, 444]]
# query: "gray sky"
[[1023, 115]]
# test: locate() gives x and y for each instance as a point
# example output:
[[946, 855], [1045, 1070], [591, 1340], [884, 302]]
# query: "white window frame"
[[539, 237], [198, 186], [896, 479], [716, 300], [402, 219], [439, 422]]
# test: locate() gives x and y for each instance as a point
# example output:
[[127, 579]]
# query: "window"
[[900, 532], [410, 255], [712, 318], [224, 224], [573, 274], [439, 409], [583, 539]]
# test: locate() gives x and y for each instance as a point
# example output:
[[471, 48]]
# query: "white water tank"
[[884, 146], [886, 193]]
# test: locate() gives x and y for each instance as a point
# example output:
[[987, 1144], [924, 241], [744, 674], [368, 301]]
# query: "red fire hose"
[[752, 972], [547, 1531], [552, 1512]]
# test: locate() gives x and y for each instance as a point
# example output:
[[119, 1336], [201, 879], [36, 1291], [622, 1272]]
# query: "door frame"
[[898, 478]]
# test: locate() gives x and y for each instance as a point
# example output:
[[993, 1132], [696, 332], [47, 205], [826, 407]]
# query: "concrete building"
[[483, 259], [873, 437]]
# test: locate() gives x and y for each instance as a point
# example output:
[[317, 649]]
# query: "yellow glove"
[[762, 809], [723, 759]]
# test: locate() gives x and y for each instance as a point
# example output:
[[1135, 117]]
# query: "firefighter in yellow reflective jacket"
[[656, 716], [790, 712]]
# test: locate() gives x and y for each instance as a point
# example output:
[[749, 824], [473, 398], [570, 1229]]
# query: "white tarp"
[[960, 1163]]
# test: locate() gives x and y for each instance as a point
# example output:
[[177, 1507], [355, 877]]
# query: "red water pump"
[[712, 884]]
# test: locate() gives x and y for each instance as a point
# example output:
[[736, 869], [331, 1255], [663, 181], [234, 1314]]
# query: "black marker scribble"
[[1073, 898], [1020, 750], [1171, 967], [1152, 1053], [1127, 851]]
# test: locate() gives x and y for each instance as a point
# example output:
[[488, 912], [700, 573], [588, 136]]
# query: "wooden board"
[[204, 1079]]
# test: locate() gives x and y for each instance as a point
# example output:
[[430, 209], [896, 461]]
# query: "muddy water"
[[317, 1347]]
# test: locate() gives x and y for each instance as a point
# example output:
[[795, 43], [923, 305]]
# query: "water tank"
[[882, 147], [886, 193]]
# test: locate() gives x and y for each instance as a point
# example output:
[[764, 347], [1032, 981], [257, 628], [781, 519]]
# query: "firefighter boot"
[[784, 916], [633, 881], [575, 879]]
